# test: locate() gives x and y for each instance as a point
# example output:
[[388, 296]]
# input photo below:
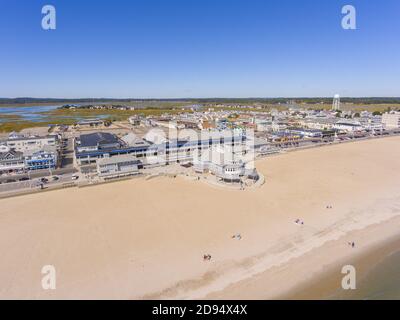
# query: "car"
[[44, 180], [24, 179], [75, 177], [55, 178]]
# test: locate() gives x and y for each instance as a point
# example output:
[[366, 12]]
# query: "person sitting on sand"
[[207, 257], [237, 236]]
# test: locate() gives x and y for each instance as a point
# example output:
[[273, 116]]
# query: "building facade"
[[118, 166], [31, 144], [41, 160], [165, 151], [391, 120], [11, 162]]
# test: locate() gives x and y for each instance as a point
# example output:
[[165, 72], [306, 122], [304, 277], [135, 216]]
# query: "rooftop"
[[118, 159], [10, 155], [94, 139]]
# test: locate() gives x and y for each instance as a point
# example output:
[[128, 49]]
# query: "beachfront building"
[[391, 120], [308, 133], [89, 148], [96, 142], [11, 161], [263, 125], [30, 144], [118, 166], [4, 148], [278, 126], [224, 163], [372, 123], [161, 151], [318, 123], [348, 125], [41, 160]]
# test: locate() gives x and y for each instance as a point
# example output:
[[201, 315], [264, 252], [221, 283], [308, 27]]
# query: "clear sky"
[[199, 48]]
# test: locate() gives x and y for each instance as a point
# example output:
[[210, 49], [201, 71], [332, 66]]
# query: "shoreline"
[[320, 282], [105, 246], [325, 285]]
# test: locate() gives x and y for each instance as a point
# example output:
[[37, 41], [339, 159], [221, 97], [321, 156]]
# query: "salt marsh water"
[[32, 113]]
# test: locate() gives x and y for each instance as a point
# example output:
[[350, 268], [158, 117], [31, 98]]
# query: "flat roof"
[[93, 139], [30, 138], [118, 159]]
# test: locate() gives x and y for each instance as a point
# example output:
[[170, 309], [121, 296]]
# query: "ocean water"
[[381, 283]]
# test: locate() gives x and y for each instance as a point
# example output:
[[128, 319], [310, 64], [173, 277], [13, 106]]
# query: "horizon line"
[[196, 98]]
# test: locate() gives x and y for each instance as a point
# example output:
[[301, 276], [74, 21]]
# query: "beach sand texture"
[[140, 239]]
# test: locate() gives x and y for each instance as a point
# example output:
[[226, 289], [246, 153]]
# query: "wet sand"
[[327, 284]]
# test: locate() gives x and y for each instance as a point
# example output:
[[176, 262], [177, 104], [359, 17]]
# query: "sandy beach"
[[145, 239]]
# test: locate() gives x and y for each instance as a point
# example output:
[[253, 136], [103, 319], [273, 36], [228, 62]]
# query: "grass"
[[20, 125], [144, 103], [10, 117], [71, 116], [114, 115]]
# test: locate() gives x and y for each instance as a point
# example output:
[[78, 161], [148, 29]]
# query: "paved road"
[[37, 174], [33, 184]]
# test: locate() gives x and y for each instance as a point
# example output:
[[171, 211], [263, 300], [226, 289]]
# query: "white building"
[[348, 125], [372, 123], [30, 144], [263, 126], [11, 161], [134, 120], [391, 120], [224, 163], [118, 166], [278, 126], [4, 148], [43, 159]]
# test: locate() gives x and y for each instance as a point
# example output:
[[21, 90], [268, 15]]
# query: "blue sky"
[[199, 48]]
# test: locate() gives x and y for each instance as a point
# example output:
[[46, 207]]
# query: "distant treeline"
[[78, 101], [283, 100], [325, 100]]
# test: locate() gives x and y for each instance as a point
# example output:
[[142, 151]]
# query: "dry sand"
[[146, 239]]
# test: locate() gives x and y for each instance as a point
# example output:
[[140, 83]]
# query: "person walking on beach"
[[352, 244]]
